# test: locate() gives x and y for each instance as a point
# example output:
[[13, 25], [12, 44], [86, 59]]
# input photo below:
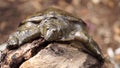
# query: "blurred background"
[[101, 16]]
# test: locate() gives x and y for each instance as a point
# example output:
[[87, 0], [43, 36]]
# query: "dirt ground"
[[102, 18]]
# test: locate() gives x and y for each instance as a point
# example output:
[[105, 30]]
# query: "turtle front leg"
[[89, 44], [26, 32], [21, 37]]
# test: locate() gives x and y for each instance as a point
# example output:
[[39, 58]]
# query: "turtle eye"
[[53, 18], [32, 21], [36, 22], [35, 19]]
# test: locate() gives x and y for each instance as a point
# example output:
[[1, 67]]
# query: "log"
[[42, 54], [14, 58]]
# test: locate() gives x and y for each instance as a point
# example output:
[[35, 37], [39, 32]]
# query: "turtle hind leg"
[[89, 44], [94, 48]]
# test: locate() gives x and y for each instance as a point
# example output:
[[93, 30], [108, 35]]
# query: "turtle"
[[54, 24]]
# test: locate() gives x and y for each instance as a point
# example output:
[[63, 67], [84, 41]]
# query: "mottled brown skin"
[[54, 25]]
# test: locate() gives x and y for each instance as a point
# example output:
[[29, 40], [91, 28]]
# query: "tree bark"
[[42, 54]]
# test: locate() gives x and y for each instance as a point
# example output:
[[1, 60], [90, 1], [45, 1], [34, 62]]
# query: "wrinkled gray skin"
[[53, 25]]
